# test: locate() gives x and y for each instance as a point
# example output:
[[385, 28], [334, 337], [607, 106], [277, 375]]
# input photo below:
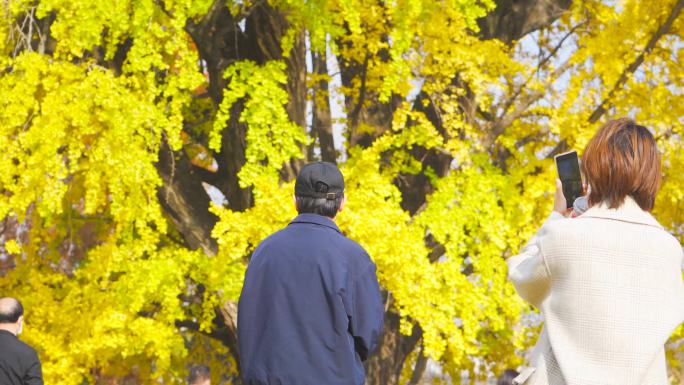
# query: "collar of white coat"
[[628, 212]]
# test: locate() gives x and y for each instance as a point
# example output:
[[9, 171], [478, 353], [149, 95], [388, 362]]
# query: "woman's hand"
[[559, 203]]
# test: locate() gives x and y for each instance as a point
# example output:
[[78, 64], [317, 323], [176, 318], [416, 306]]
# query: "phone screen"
[[570, 176]]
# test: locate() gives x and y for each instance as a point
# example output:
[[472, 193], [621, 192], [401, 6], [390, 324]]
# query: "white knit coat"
[[609, 285]]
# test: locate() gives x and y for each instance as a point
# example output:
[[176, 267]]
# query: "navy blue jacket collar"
[[316, 220]]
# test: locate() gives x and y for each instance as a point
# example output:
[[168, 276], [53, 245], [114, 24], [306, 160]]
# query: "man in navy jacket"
[[310, 310]]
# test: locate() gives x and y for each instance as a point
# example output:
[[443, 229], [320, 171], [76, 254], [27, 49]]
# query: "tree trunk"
[[513, 19], [232, 157], [220, 42], [322, 121], [184, 199], [385, 365], [367, 117], [297, 90]]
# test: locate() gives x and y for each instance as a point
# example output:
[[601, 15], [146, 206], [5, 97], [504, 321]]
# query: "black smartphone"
[[570, 176]]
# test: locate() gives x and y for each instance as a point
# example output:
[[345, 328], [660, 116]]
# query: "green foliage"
[[272, 138]]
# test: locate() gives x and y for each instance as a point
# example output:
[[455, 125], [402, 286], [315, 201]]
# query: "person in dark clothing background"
[[19, 364], [310, 310]]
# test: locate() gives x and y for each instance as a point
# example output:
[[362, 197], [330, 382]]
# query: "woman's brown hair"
[[622, 160]]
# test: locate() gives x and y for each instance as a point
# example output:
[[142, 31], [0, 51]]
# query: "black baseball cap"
[[319, 180]]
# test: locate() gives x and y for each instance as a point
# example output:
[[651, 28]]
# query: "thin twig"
[[660, 32], [605, 103]]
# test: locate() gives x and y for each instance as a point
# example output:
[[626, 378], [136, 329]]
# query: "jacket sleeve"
[[366, 320], [34, 372], [528, 270]]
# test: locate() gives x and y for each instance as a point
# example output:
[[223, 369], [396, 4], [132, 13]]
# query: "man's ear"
[[344, 200], [296, 202]]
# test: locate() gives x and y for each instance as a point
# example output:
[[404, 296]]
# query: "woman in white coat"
[[608, 282]]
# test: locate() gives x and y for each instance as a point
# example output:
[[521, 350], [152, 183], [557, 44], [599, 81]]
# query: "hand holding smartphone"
[[570, 176]]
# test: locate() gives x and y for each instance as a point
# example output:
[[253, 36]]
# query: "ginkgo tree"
[[120, 119]]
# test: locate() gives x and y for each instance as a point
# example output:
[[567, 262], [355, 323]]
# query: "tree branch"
[[660, 32], [419, 368], [207, 176], [506, 120], [184, 199], [513, 19], [601, 109], [224, 330], [362, 95], [542, 64]]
